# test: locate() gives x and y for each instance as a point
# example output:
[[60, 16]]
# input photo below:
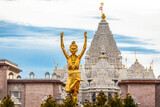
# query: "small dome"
[[47, 73], [18, 77], [31, 73], [54, 74]]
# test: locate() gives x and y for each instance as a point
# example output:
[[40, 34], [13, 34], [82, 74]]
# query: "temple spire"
[[103, 46]]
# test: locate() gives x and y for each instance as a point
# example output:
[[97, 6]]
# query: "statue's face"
[[73, 49]]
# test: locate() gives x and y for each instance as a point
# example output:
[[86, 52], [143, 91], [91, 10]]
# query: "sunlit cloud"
[[30, 30]]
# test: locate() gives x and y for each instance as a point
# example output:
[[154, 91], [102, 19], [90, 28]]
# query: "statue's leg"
[[68, 90], [75, 83], [77, 87], [76, 90]]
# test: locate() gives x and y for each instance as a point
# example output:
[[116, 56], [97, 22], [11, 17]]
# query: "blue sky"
[[39, 59], [30, 31]]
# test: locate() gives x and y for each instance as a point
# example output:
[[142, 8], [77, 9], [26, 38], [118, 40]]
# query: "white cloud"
[[137, 18], [41, 42]]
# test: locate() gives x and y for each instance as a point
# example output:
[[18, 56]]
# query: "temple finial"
[[102, 14], [151, 64], [55, 67], [150, 67]]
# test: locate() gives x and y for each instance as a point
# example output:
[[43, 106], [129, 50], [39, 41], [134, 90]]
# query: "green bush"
[[129, 102], [87, 104], [49, 102], [101, 100], [69, 102], [7, 102], [115, 101]]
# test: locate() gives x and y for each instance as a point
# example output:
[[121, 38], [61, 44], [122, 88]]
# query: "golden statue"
[[73, 82]]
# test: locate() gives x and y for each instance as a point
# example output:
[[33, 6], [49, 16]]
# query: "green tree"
[[115, 101], [7, 102], [49, 102], [69, 102], [129, 102], [101, 100], [87, 104]]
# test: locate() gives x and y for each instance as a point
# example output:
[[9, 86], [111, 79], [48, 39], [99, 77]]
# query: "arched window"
[[54, 76], [109, 96], [11, 75], [31, 75], [47, 75], [15, 92], [18, 77], [94, 97]]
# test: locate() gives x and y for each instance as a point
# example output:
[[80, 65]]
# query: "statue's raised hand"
[[62, 44], [85, 34], [62, 34]]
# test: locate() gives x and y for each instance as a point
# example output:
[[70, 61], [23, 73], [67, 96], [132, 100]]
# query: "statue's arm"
[[84, 46], [62, 46]]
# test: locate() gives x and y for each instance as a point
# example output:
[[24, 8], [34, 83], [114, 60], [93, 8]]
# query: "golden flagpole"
[[135, 54], [126, 62], [102, 8]]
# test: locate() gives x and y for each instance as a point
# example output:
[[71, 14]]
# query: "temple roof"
[[12, 66], [137, 70], [136, 67]]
